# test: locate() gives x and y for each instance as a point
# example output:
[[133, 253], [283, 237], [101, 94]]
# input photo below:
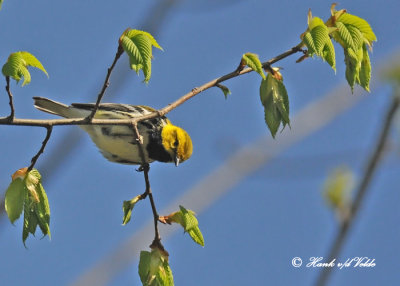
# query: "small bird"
[[162, 141]]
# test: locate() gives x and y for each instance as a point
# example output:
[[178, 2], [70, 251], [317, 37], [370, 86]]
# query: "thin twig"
[[46, 139], [145, 167], [10, 118], [158, 113], [106, 84], [369, 172]]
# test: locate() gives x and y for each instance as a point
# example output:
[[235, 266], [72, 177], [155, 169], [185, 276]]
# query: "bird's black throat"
[[156, 149]]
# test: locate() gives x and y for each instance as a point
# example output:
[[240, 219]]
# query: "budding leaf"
[[354, 34], [365, 70], [15, 197], [253, 62], [154, 268], [26, 193], [358, 67], [138, 45], [127, 208], [360, 24], [337, 190], [17, 65], [275, 100], [225, 90], [318, 42], [186, 218]]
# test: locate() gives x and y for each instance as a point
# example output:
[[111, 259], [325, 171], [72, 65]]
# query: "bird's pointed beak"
[[176, 159]]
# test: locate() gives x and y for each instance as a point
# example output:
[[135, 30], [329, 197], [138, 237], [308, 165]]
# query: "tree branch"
[[369, 172], [133, 121], [158, 113], [10, 118], [106, 84], [145, 167], [46, 139]]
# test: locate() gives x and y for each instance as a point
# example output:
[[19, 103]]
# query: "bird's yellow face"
[[177, 143]]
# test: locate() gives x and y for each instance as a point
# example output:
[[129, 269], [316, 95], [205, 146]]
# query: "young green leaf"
[[365, 70], [353, 66], [17, 66], [14, 200], [138, 45], [26, 193], [224, 89], [43, 211], [318, 42], [144, 266], [154, 268], [1, 3], [275, 100], [127, 208], [133, 33], [36, 208], [337, 190], [186, 218], [354, 34], [253, 62], [360, 24]]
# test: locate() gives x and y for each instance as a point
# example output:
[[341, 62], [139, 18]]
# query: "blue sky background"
[[253, 232]]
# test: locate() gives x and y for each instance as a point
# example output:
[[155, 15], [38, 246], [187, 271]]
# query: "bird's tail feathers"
[[51, 106]]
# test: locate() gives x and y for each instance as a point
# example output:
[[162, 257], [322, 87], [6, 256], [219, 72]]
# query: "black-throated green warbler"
[[162, 140]]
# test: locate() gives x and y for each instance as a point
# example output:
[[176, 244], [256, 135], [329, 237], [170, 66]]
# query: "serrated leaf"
[[43, 211], [154, 269], [353, 66], [225, 90], [354, 34], [138, 45], [12, 67], [253, 62], [348, 36], [318, 42], [191, 225], [32, 199], [30, 220], [329, 54], [31, 60], [365, 70], [132, 33], [144, 266], [196, 235], [164, 275], [14, 199], [127, 207], [275, 100], [188, 219], [360, 24], [17, 66], [309, 42]]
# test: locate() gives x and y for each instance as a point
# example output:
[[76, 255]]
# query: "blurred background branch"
[[371, 166]]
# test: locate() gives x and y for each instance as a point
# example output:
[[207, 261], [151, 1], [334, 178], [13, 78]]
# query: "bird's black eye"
[[176, 143]]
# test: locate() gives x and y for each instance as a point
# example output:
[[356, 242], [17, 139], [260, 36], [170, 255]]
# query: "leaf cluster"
[[138, 46], [26, 194], [17, 65], [355, 36], [187, 219], [154, 268]]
